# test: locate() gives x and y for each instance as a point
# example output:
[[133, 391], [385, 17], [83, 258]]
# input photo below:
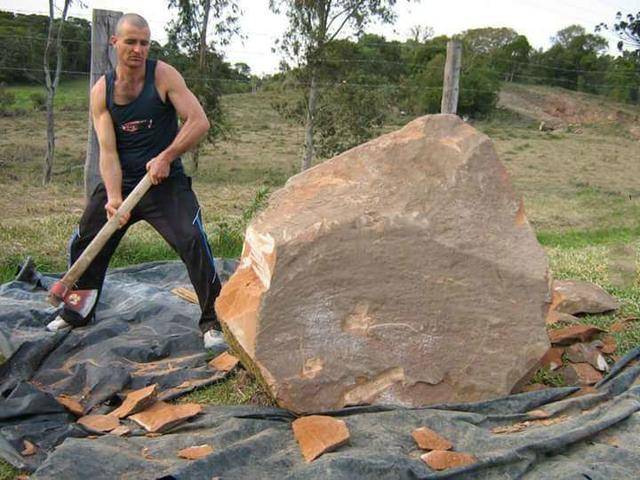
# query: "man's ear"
[[113, 40]]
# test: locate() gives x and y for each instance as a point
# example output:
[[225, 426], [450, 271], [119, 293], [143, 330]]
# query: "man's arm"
[[109, 162], [194, 121]]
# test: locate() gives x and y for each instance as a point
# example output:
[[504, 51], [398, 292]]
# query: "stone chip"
[[318, 434]]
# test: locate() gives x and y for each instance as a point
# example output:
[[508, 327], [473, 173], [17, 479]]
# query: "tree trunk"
[[51, 140], [203, 35], [51, 86], [309, 151]]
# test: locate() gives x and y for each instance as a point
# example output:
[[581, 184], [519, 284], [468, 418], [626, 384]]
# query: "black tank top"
[[144, 128]]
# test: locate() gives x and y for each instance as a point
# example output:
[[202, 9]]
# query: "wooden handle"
[[108, 229]]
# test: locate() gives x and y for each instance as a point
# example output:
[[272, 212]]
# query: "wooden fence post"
[[103, 59], [451, 89]]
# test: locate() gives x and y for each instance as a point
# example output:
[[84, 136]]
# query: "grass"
[[7, 472], [237, 389], [68, 96], [581, 188]]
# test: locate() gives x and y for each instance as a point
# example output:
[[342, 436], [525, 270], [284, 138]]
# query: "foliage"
[[627, 27], [314, 26], [38, 101], [189, 50], [23, 42]]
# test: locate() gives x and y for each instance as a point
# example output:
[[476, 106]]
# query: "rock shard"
[[162, 416], [318, 434], [401, 271]]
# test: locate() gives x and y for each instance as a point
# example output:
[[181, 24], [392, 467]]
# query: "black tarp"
[[593, 436], [144, 335]]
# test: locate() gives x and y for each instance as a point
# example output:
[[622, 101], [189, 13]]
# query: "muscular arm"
[[194, 121], [109, 162]]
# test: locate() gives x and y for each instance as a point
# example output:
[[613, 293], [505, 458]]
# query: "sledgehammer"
[[82, 301]]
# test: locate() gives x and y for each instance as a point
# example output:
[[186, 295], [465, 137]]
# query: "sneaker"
[[57, 324], [214, 340]]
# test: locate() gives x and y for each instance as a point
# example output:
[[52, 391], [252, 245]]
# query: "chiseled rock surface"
[[401, 271]]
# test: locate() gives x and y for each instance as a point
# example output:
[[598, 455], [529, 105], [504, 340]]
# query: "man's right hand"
[[112, 207]]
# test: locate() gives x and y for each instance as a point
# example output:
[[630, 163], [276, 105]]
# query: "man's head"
[[131, 40]]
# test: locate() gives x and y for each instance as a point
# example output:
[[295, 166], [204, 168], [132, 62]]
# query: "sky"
[[539, 20]]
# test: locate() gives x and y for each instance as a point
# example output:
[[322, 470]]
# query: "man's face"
[[132, 45]]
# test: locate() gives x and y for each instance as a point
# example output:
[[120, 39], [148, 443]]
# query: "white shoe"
[[214, 340], [57, 324]]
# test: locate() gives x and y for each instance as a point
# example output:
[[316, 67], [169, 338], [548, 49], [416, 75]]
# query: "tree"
[[189, 31], [627, 27], [51, 83], [313, 26], [421, 33]]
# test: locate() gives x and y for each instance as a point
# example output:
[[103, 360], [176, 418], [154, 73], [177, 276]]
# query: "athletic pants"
[[172, 209]]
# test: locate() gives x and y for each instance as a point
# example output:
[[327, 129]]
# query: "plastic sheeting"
[[143, 334], [590, 436]]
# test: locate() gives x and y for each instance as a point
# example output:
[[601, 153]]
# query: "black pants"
[[172, 209]]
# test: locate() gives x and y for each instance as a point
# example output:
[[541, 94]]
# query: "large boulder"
[[401, 271]]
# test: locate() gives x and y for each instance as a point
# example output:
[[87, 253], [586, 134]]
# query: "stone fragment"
[[71, 404], [554, 317], [609, 345], [186, 294], [618, 326], [323, 325], [580, 374], [427, 439], [99, 423], [162, 416], [583, 391], [573, 296], [553, 358], [225, 362], [120, 431], [196, 452], [573, 333], [136, 401], [584, 353], [29, 449], [533, 387], [318, 434], [444, 460]]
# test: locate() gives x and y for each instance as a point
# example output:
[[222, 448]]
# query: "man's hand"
[[112, 207], [158, 169]]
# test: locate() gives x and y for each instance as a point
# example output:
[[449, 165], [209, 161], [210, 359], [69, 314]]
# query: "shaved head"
[[132, 19]]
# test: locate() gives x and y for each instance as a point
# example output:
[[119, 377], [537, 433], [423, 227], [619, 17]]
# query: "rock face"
[[403, 271]]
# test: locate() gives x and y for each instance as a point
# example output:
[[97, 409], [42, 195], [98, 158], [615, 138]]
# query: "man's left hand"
[[158, 169]]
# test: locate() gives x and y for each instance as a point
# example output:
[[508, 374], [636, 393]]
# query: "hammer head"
[[80, 301]]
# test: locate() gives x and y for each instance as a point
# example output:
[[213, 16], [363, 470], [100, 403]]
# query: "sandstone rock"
[[71, 404], [99, 423], [580, 374], [195, 453], [368, 275], [120, 431], [162, 416], [533, 387], [29, 449], [318, 434], [572, 296], [225, 362], [444, 460], [136, 401], [609, 345], [583, 353], [427, 439], [553, 358], [574, 333], [554, 317]]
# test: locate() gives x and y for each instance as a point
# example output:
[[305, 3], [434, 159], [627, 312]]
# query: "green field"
[[581, 189]]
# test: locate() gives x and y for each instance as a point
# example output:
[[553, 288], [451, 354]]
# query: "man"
[[134, 111]]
